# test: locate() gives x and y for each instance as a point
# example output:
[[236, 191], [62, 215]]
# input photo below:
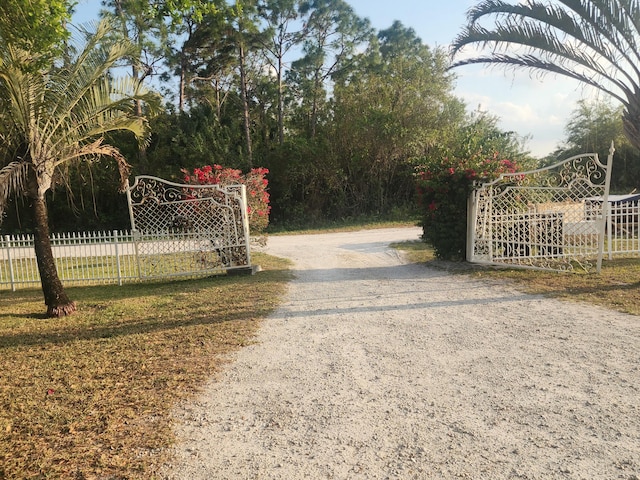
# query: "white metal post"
[[471, 225], [11, 274], [245, 222], [115, 243], [605, 210], [608, 227]]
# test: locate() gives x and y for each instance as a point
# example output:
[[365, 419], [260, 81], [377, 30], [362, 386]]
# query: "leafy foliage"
[[38, 26], [591, 128], [307, 185], [389, 110], [255, 182], [443, 189], [331, 37], [446, 178]]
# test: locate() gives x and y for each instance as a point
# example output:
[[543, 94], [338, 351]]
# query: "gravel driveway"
[[375, 369]]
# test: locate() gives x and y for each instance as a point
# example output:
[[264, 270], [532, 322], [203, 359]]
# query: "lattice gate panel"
[[550, 218], [188, 229]]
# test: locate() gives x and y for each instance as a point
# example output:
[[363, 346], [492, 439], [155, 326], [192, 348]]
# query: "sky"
[[530, 106]]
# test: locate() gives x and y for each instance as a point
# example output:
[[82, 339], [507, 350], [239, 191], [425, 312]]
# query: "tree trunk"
[[183, 81], [245, 105], [57, 302], [317, 88], [280, 100]]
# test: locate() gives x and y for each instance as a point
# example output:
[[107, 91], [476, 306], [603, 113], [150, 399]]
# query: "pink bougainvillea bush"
[[443, 185], [256, 184]]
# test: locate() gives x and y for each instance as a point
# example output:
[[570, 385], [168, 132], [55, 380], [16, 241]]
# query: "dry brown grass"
[[90, 395], [616, 287]]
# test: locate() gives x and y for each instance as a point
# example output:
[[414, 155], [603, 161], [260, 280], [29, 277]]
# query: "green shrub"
[[443, 187], [255, 180]]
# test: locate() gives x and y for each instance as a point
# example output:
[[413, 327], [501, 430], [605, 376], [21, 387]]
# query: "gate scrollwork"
[[189, 227], [549, 218]]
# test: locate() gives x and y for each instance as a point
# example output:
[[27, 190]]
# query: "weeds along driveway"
[[375, 369]]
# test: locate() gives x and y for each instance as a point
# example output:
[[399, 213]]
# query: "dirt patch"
[[376, 369]]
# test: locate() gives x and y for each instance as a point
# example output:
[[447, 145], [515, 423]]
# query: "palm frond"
[[86, 83], [593, 41], [631, 10], [107, 106], [98, 149], [607, 23], [566, 58], [61, 113], [583, 26], [535, 64], [12, 180]]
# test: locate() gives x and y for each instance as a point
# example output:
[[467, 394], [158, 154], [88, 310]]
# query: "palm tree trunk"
[[57, 302]]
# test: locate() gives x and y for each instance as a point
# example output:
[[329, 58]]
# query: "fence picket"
[[162, 246], [10, 261], [113, 257]]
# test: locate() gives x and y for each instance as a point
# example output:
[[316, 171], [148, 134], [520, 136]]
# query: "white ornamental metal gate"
[[188, 229], [551, 218]]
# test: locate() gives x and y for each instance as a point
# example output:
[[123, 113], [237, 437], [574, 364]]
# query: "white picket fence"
[[119, 257], [623, 226], [116, 257]]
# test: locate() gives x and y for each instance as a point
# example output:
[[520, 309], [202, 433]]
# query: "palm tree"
[[51, 117], [596, 42]]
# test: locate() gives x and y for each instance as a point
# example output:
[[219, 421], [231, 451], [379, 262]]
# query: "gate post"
[[471, 225], [608, 226], [12, 278], [605, 208], [245, 222]]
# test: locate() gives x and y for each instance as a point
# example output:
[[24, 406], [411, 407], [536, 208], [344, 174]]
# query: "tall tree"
[[153, 26], [207, 61], [332, 34], [591, 128], [138, 23], [57, 115], [392, 107], [221, 47], [596, 42], [280, 38], [245, 29], [36, 25], [182, 18]]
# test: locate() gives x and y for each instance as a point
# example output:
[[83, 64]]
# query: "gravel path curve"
[[375, 369]]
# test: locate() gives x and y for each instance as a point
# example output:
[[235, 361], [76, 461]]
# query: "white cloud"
[[517, 112], [530, 106]]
